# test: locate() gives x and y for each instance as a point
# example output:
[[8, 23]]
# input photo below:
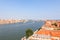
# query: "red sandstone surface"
[[55, 24]]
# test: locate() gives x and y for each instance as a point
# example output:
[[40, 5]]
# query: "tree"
[[55, 24], [29, 32]]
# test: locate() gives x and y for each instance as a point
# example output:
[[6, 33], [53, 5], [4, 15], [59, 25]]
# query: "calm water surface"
[[17, 31]]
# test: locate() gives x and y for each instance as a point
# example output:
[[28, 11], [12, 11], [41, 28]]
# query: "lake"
[[17, 31]]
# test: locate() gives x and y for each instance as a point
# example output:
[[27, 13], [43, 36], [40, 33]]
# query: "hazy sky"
[[30, 9]]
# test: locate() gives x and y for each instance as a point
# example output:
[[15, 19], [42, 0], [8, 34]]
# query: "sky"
[[30, 9]]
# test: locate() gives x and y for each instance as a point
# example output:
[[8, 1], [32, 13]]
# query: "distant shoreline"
[[10, 21]]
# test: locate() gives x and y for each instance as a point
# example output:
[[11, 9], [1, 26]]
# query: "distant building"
[[8, 21]]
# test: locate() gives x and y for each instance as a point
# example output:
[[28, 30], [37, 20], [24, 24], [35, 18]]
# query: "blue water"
[[17, 31]]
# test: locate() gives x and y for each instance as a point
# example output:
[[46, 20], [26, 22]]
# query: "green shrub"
[[54, 24], [29, 32], [39, 28]]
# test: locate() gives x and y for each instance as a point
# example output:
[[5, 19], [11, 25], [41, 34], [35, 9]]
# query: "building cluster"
[[49, 31], [8, 21]]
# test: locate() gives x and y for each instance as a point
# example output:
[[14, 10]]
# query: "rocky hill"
[[49, 31]]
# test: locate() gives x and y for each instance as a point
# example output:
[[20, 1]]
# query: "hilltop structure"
[[49, 31]]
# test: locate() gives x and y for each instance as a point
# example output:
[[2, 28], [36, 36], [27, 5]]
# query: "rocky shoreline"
[[49, 31]]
